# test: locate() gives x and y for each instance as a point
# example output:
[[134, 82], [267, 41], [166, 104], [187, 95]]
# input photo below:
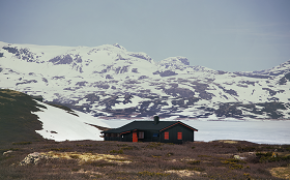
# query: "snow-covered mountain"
[[108, 80]]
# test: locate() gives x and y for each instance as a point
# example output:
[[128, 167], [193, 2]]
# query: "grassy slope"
[[17, 123]]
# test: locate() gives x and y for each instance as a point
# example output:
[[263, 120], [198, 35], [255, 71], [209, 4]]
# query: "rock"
[[32, 158], [7, 152], [237, 157]]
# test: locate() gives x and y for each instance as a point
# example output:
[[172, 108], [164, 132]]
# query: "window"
[[166, 135], [179, 135], [155, 135], [141, 135]]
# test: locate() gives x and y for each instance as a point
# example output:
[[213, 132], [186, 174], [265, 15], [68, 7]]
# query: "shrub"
[[156, 156], [127, 148], [196, 162], [247, 149], [271, 157], [86, 145], [199, 169], [74, 156], [155, 145], [117, 151], [267, 154], [153, 174], [233, 163], [59, 149]]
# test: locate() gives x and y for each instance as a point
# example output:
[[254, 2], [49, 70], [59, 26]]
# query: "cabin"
[[152, 131]]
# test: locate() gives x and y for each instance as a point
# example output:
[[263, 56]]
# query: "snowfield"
[[59, 125]]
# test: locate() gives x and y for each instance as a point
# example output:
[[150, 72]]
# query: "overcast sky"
[[230, 35]]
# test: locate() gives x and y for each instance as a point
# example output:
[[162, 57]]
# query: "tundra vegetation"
[[126, 160]]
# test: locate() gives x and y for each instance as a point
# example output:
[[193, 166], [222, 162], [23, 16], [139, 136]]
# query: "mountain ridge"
[[110, 81]]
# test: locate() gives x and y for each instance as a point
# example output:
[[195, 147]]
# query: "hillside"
[[17, 121], [24, 119], [109, 81]]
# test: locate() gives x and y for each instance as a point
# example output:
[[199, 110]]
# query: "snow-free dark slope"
[[17, 121], [23, 119], [108, 80]]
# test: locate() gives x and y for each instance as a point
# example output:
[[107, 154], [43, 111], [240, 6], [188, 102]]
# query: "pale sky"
[[229, 35]]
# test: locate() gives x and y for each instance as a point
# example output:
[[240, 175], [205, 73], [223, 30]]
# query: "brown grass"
[[103, 160], [281, 172]]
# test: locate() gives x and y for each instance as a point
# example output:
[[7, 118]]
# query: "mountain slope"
[[24, 119], [17, 122], [109, 81]]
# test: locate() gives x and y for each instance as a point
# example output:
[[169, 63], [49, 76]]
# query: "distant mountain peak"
[[119, 46], [277, 70], [141, 55], [176, 60], [184, 60]]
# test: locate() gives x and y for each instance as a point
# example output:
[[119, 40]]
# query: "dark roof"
[[147, 125]]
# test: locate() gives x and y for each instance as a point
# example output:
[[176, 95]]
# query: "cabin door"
[[134, 137]]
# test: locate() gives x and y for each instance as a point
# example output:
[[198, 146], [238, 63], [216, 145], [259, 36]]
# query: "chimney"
[[156, 119]]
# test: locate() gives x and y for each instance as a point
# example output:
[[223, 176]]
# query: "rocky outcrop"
[[32, 158]]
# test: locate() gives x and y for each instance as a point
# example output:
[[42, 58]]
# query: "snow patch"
[[59, 125]]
